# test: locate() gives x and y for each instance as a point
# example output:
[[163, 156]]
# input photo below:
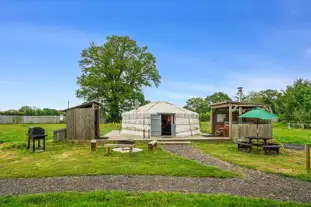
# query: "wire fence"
[[298, 125]]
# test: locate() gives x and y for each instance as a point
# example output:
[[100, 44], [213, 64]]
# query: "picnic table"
[[251, 138], [268, 147]]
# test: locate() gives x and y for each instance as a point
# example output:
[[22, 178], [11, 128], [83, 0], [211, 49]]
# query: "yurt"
[[158, 119]]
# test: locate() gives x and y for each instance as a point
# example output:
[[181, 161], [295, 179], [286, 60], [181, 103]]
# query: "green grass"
[[292, 135], [205, 127], [17, 132], [62, 159], [290, 163], [150, 199]]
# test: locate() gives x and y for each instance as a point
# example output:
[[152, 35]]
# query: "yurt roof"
[[161, 107]]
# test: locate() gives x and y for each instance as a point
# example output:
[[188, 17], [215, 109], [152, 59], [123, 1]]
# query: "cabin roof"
[[225, 104], [84, 105]]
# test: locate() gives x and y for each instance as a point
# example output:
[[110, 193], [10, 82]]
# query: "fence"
[[299, 125], [15, 119], [244, 130]]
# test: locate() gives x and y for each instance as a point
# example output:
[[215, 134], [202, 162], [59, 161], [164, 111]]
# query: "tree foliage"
[[202, 106], [204, 116], [292, 104], [297, 101], [197, 104], [271, 98], [217, 97], [115, 73], [31, 111]]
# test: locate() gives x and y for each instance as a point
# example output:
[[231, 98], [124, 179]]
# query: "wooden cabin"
[[225, 118], [83, 121]]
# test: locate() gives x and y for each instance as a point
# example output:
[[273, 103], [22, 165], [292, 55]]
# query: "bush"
[[204, 116]]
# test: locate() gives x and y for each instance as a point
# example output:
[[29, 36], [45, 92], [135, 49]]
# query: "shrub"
[[204, 116]]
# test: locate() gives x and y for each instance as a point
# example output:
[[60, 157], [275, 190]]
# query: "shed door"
[[156, 125]]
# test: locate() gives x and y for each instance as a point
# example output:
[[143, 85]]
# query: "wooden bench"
[[271, 147], [244, 145], [152, 145], [109, 146]]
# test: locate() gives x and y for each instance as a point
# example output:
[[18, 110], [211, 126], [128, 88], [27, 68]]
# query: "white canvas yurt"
[[160, 119]]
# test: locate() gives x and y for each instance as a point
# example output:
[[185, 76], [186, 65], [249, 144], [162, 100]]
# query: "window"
[[221, 117]]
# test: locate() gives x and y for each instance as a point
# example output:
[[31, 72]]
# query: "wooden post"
[[240, 113], [308, 158], [230, 122], [212, 121], [93, 145]]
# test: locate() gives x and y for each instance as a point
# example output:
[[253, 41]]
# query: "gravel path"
[[254, 184]]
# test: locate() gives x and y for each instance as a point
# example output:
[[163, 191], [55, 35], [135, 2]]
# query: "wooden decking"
[[173, 139]]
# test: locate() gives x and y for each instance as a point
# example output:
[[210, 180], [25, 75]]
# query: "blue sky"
[[201, 47]]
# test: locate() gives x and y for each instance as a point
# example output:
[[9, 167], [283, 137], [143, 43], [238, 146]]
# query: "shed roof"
[[161, 107], [84, 105], [225, 104]]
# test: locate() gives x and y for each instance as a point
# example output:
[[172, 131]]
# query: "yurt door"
[[155, 125], [173, 126]]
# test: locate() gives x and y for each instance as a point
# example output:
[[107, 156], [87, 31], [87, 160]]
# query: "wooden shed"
[[225, 117], [83, 121]]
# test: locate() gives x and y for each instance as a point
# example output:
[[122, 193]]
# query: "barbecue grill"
[[36, 133]]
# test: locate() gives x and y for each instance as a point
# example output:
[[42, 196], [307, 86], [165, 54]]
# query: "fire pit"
[[36, 133], [126, 149]]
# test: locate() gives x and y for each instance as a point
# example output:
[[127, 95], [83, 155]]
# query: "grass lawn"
[[17, 132], [150, 199], [205, 127], [289, 162], [62, 159], [292, 135]]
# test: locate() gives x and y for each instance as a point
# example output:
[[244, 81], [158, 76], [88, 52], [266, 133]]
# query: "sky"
[[201, 47]]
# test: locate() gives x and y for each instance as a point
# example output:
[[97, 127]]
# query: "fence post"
[[308, 158]]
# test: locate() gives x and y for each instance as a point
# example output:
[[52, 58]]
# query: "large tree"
[[115, 73], [217, 97], [197, 104], [297, 101], [272, 98]]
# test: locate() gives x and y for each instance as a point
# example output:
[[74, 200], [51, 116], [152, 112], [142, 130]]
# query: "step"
[[174, 142]]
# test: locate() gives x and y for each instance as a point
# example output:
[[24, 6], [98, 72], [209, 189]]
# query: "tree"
[[26, 110], [197, 104], [115, 73], [297, 101], [272, 98], [217, 97]]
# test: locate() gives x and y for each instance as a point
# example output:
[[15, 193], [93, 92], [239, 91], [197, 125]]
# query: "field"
[[17, 132], [293, 136], [61, 159], [15, 159], [150, 199], [289, 163]]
